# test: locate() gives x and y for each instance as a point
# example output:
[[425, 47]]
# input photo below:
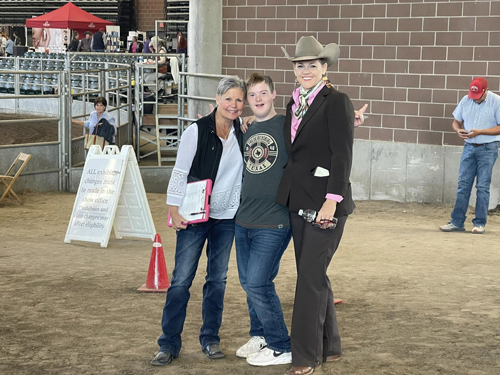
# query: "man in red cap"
[[477, 119]]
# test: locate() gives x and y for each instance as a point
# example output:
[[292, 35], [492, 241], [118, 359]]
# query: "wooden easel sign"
[[111, 194]]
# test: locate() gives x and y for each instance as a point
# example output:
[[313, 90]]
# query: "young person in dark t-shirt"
[[262, 227]]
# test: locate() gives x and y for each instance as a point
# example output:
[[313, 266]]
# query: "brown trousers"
[[314, 333]]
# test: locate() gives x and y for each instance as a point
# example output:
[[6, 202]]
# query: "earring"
[[327, 82]]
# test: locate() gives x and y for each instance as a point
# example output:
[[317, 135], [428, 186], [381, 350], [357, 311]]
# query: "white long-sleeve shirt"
[[227, 188]]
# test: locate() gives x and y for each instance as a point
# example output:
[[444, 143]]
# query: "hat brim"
[[475, 95], [330, 54]]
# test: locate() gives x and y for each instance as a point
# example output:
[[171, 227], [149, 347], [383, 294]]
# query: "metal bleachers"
[[16, 12]]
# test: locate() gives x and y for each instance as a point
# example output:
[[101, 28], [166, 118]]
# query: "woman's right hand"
[[178, 221], [247, 121]]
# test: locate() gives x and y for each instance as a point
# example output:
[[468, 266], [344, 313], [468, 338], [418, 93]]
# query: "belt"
[[482, 144]]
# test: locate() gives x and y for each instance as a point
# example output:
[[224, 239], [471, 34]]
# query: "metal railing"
[[81, 78], [57, 87], [168, 134]]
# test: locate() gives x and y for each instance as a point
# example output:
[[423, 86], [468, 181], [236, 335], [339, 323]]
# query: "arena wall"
[[410, 60]]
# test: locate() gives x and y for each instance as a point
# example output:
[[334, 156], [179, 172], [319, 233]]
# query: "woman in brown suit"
[[319, 131]]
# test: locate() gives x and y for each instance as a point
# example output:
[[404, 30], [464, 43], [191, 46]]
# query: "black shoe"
[[213, 351], [162, 359]]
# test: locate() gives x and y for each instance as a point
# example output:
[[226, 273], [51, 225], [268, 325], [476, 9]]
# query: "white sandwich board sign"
[[111, 194]]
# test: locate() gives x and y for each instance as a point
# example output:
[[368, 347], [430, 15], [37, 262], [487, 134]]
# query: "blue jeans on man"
[[258, 253], [219, 235], [477, 161]]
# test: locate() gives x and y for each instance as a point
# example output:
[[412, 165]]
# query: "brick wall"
[[410, 60], [147, 11]]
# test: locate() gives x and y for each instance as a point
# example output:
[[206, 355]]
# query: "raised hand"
[[359, 117], [211, 110]]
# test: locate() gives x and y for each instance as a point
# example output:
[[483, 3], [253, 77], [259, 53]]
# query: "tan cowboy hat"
[[154, 41], [308, 48]]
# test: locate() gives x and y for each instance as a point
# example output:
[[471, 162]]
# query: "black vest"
[[209, 150], [98, 41]]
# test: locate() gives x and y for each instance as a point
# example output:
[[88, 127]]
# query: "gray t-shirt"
[[264, 158]]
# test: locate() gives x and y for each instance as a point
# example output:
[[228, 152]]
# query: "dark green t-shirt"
[[264, 158]]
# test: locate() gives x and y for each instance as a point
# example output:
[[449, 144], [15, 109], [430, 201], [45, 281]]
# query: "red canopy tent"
[[68, 16]]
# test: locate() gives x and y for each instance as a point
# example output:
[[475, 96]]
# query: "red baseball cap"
[[477, 88]]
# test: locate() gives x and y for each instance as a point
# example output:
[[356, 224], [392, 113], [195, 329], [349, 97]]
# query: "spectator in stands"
[[9, 46], [86, 43], [73, 46], [17, 40], [99, 42], [155, 45], [146, 49], [100, 112], [135, 46]]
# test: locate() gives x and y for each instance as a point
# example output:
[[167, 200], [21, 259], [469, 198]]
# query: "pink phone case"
[[206, 208]]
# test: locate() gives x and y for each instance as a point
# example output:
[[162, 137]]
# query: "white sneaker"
[[478, 229], [268, 357], [451, 228], [253, 346]]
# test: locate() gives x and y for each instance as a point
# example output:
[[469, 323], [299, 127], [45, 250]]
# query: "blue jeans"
[[258, 253], [190, 242], [476, 161]]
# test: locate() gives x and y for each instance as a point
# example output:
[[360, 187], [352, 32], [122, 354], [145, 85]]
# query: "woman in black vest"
[[319, 131], [209, 149]]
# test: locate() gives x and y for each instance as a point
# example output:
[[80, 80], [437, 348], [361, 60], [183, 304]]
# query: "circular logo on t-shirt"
[[261, 152]]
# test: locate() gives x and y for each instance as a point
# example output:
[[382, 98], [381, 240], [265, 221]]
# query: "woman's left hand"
[[359, 117], [325, 215]]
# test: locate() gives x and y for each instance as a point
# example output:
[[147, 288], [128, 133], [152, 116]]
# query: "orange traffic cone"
[[157, 280]]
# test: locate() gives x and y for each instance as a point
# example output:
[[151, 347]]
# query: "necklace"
[[225, 136]]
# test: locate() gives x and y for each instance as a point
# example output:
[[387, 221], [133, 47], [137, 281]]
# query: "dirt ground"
[[32, 132], [416, 301]]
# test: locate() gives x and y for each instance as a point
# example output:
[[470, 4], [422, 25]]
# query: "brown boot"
[[332, 358], [296, 370]]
